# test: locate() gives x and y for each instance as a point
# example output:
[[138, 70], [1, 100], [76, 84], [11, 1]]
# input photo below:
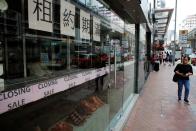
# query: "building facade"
[[192, 39], [189, 23], [74, 64]]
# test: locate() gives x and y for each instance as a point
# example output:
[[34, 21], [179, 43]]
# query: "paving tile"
[[157, 108]]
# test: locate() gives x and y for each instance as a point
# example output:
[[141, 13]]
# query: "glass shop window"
[[45, 57], [14, 62], [83, 56]]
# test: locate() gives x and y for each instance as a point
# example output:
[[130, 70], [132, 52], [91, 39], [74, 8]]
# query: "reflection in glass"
[[45, 57], [52, 55]]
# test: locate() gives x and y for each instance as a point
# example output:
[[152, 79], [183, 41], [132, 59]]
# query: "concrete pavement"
[[157, 108]]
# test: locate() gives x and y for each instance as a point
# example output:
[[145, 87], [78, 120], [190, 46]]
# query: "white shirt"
[[164, 56]]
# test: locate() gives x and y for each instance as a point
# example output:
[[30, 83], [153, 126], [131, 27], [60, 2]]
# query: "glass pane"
[[14, 62], [161, 14], [162, 20], [83, 1], [79, 89], [117, 76], [46, 57], [129, 62], [142, 57], [2, 85]]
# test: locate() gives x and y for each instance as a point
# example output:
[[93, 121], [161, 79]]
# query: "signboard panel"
[[67, 18], [183, 35], [84, 25], [40, 15], [16, 98], [96, 29]]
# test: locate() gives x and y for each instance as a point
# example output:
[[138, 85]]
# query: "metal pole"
[[174, 50]]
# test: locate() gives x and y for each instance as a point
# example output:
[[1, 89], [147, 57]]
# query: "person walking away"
[[161, 57], [184, 70], [164, 58], [157, 62], [170, 59], [153, 58], [167, 54]]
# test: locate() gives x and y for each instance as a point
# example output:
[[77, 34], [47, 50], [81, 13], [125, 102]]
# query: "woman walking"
[[184, 70]]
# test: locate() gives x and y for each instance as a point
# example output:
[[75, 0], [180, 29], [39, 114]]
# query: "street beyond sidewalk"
[[157, 108]]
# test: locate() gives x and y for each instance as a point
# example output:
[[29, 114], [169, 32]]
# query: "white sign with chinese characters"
[[67, 18], [96, 29], [40, 15], [84, 25]]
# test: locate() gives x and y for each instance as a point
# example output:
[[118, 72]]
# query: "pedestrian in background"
[[164, 58], [153, 59], [170, 59], [167, 56], [161, 57], [184, 70]]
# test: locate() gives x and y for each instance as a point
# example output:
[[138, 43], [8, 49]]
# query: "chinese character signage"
[[84, 25], [67, 18], [96, 29], [40, 15]]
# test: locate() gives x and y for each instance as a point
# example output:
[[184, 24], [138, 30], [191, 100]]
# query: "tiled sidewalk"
[[157, 108]]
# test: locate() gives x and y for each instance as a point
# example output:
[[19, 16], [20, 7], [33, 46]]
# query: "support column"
[[137, 41], [148, 37]]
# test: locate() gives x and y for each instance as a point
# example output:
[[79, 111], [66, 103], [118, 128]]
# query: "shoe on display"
[[99, 100], [62, 126], [75, 118], [87, 106], [95, 102], [82, 111]]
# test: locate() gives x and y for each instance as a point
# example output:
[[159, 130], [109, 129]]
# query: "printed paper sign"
[[96, 29], [67, 18], [16, 98], [40, 15], [84, 25]]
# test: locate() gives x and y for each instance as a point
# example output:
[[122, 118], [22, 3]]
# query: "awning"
[[128, 9], [162, 18]]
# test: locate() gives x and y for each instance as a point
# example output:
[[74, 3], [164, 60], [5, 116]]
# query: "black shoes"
[[186, 101], [179, 99]]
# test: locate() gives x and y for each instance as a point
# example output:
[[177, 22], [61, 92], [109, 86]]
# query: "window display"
[[84, 109], [74, 109], [61, 126], [73, 73], [45, 57]]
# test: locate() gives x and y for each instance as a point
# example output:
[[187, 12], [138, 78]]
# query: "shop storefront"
[[65, 64]]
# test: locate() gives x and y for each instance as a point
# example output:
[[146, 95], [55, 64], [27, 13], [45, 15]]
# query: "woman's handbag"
[[175, 78]]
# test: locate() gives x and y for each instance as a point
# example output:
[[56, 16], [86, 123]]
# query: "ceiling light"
[[3, 5]]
